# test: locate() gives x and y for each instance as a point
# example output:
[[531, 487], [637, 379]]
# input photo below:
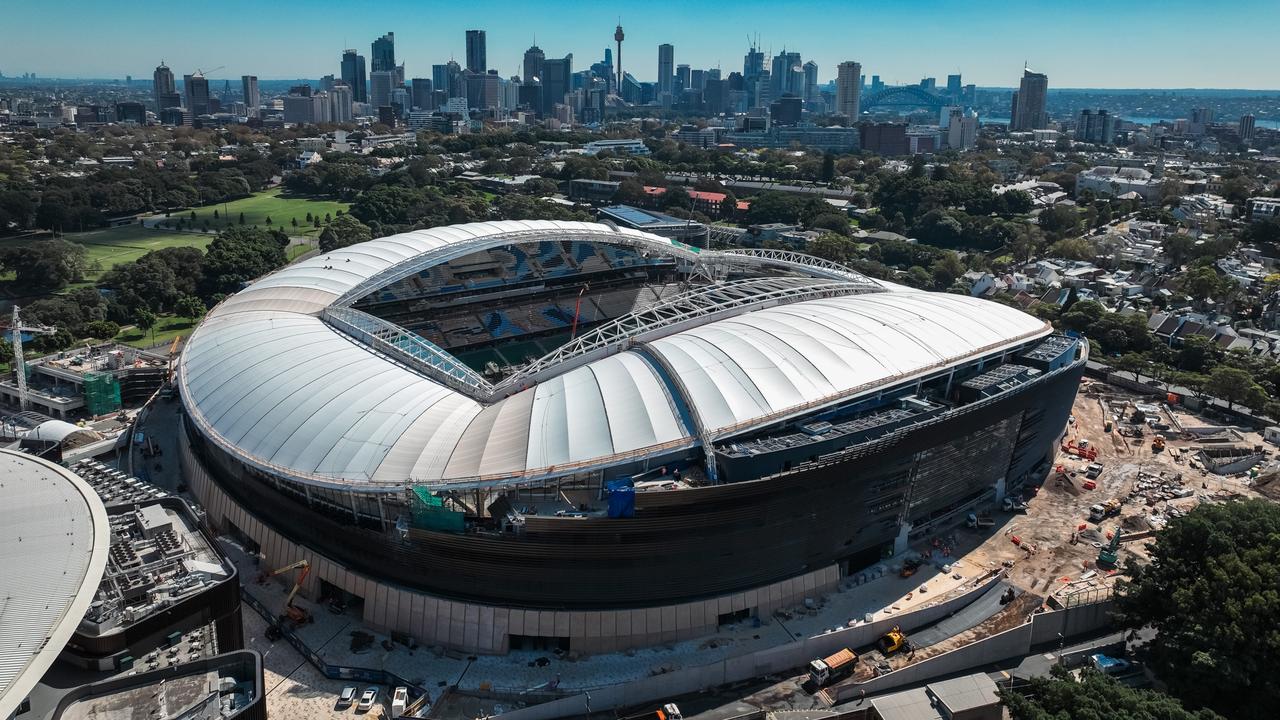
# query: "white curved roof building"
[[54, 538], [291, 376]]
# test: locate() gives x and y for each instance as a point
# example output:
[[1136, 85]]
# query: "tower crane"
[[16, 328], [202, 72]]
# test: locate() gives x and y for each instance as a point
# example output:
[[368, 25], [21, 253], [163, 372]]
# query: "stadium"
[[534, 434]]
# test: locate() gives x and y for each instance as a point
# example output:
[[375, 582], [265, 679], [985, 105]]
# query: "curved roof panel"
[[54, 538], [270, 381]]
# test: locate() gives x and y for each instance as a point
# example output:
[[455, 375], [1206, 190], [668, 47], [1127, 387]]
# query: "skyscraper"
[[1246, 127], [353, 75], [811, 81], [422, 91], [557, 77], [1098, 127], [752, 66], [954, 86], [197, 90], [476, 60], [340, 102], [381, 83], [164, 88], [666, 67], [454, 84], [848, 90], [787, 77], [383, 57], [1201, 119], [252, 99], [684, 77], [962, 129], [533, 59], [1027, 110]]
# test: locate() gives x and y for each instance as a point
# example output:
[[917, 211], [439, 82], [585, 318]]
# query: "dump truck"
[[1110, 508], [892, 641], [832, 667], [1157, 444]]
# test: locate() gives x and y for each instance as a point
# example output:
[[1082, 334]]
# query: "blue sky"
[[1174, 44]]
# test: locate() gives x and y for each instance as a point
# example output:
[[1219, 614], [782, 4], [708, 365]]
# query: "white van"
[[399, 701]]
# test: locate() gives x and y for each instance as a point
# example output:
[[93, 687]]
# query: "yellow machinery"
[[298, 615], [893, 641]]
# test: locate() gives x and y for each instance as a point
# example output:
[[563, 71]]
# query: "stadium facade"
[[550, 434]]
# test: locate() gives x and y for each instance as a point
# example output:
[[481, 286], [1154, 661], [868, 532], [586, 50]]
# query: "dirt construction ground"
[[1055, 557], [1144, 481]]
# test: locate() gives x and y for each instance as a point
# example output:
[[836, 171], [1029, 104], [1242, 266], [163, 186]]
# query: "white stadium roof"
[[271, 382], [54, 538]]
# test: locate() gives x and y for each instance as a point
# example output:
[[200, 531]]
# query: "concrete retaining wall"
[[778, 659], [1015, 642]]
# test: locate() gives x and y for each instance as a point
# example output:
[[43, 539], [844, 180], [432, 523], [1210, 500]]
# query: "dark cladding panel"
[[956, 470]]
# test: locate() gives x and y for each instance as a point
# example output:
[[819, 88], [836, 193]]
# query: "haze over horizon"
[[1086, 45]]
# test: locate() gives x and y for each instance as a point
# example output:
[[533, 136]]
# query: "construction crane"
[[202, 72], [16, 328], [173, 354], [298, 615]]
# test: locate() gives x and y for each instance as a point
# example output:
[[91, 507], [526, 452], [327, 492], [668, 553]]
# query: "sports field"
[[116, 245], [271, 204]]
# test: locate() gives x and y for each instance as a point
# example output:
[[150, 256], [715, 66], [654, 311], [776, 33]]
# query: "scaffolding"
[[429, 513], [101, 393]]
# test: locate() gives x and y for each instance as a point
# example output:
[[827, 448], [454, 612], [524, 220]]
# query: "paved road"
[[1100, 370]]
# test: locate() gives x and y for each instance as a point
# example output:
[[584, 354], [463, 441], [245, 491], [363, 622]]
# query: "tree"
[[1094, 697], [1059, 221], [294, 222], [1235, 386], [45, 265], [677, 196], [1210, 594], [1132, 362], [828, 167], [833, 222], [630, 192], [342, 232], [1071, 249], [946, 270], [238, 255], [190, 306], [241, 218], [145, 320], [100, 329]]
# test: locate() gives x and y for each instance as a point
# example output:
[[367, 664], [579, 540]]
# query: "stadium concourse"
[[553, 434]]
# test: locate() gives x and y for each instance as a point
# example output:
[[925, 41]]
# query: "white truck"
[[832, 667], [399, 701]]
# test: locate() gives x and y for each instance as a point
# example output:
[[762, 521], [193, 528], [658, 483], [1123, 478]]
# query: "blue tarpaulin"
[[622, 498]]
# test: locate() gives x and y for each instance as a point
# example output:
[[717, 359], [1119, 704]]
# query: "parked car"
[[346, 697], [368, 699]]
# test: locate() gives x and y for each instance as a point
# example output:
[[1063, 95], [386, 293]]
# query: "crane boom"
[[305, 565]]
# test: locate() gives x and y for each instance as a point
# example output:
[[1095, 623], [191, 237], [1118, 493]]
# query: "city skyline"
[[1071, 44]]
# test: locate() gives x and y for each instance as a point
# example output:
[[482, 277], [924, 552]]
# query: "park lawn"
[[269, 204], [167, 328], [112, 246]]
